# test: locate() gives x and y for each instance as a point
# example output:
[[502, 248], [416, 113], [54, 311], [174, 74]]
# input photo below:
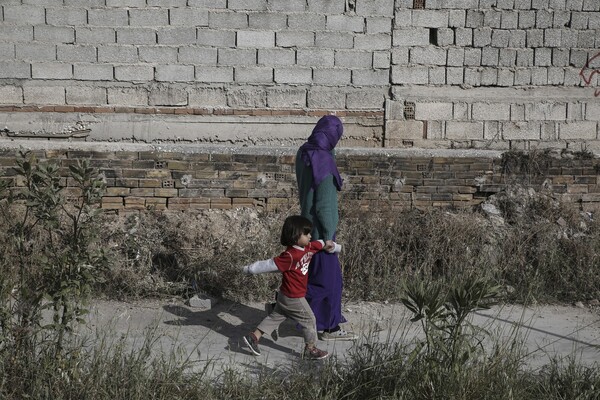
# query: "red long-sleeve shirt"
[[293, 264]]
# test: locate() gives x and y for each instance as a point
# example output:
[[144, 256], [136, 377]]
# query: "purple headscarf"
[[317, 151]]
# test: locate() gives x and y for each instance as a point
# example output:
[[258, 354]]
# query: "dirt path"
[[213, 337]]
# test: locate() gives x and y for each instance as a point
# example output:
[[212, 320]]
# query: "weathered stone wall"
[[494, 74], [191, 177]]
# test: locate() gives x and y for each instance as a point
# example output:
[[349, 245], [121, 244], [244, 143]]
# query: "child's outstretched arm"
[[260, 267]]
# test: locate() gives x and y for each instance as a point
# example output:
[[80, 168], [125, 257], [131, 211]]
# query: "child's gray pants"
[[296, 309]]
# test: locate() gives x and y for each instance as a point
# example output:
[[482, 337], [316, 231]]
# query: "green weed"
[[49, 260]]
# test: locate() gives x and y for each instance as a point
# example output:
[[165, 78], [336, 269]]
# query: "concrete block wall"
[[112, 45], [497, 74]]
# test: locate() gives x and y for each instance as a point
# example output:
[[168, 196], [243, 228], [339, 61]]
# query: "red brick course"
[[183, 181]]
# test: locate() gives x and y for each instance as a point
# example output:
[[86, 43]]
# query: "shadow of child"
[[232, 320]]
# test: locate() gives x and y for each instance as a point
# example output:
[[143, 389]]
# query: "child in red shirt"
[[293, 264]]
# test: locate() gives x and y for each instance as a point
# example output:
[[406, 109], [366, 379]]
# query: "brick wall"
[[490, 74], [209, 177]]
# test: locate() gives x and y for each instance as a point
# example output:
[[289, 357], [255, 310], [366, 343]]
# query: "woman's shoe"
[[340, 334]]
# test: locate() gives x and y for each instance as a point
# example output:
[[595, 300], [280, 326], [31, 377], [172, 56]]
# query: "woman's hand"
[[329, 246], [332, 247]]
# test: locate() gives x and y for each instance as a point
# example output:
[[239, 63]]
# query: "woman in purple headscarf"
[[318, 183]]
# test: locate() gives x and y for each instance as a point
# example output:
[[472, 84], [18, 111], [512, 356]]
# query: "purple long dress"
[[324, 292], [318, 183]]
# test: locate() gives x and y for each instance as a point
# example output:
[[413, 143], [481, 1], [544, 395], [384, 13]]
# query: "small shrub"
[[450, 339], [49, 260]]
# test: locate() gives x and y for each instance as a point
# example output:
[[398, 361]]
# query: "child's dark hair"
[[293, 227]]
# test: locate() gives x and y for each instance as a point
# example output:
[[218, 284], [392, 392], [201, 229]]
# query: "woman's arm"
[[326, 206]]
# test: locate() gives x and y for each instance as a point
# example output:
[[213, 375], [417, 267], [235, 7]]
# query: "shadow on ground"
[[233, 320]]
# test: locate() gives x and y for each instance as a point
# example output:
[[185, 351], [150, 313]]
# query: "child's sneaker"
[[313, 353], [252, 343]]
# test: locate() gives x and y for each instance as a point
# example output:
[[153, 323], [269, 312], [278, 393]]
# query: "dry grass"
[[537, 248], [181, 253]]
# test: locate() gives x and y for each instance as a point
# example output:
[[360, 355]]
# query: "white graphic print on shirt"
[[304, 262]]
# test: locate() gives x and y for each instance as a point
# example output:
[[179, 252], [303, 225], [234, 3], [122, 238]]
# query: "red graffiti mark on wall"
[[588, 72]]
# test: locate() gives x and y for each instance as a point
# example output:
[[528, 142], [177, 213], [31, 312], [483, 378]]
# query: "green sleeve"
[[326, 206]]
